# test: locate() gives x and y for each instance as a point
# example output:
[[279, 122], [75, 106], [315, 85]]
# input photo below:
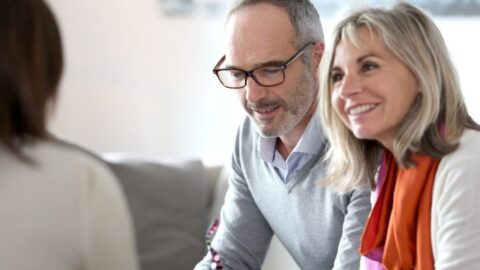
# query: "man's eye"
[[270, 71], [237, 74]]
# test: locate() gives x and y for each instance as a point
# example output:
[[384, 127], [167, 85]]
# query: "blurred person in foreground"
[[390, 95], [60, 209], [273, 48]]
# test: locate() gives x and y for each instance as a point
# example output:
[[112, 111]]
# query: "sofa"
[[172, 203]]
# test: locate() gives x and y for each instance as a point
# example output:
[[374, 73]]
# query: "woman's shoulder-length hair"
[[31, 64], [434, 123]]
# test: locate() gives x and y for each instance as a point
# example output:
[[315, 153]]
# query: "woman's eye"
[[336, 77], [369, 66]]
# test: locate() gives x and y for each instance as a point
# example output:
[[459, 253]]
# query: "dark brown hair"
[[31, 64]]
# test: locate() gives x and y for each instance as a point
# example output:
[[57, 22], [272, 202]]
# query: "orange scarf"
[[400, 220]]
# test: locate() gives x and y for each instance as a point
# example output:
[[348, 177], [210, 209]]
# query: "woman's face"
[[372, 90]]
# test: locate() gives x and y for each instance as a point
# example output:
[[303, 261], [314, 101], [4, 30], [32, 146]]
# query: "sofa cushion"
[[168, 201]]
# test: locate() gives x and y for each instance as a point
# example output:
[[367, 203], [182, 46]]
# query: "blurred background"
[[138, 72]]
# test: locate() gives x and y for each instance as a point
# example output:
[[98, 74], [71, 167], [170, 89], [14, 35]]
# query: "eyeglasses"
[[267, 75], [216, 260]]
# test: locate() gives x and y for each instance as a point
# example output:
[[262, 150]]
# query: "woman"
[[390, 92], [60, 209]]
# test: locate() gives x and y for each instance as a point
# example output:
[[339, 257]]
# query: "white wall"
[[461, 36], [138, 81]]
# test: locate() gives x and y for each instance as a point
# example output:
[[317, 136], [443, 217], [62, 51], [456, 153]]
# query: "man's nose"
[[254, 91]]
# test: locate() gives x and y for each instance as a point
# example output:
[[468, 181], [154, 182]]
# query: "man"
[[273, 51]]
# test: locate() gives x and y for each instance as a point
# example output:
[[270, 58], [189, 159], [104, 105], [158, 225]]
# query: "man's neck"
[[286, 143]]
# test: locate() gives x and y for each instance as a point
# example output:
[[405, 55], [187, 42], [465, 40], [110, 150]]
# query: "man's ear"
[[317, 53]]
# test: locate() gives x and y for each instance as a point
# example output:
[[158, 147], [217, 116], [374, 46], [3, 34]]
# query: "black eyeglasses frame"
[[249, 73]]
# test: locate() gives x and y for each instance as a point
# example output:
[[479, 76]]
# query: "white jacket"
[[455, 226]]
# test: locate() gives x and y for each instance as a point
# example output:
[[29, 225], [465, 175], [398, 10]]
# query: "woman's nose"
[[350, 85]]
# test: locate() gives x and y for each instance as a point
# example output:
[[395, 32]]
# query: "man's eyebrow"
[[264, 64]]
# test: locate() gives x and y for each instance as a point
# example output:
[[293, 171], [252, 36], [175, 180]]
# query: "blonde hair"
[[412, 37]]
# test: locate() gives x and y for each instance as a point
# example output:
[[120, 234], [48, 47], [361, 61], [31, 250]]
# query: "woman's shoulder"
[[463, 163], [65, 156], [470, 136], [469, 147], [455, 204]]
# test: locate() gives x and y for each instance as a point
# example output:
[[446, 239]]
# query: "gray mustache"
[[263, 105]]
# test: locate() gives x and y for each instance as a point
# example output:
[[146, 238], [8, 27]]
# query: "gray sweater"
[[320, 228]]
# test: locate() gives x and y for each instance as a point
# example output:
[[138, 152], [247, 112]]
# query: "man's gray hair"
[[302, 14]]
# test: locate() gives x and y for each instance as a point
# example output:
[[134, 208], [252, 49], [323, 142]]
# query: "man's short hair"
[[302, 13]]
